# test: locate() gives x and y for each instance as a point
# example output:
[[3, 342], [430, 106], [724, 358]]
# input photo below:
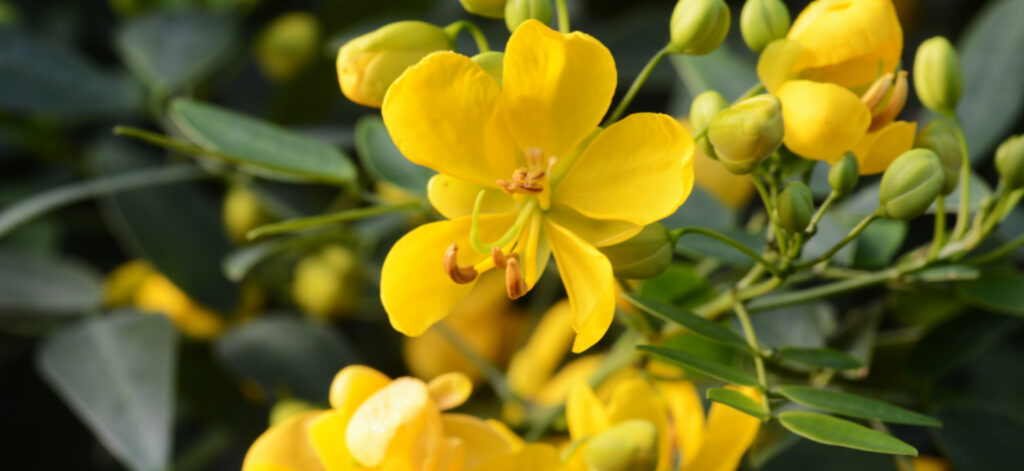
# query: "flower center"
[[886, 99], [529, 179]]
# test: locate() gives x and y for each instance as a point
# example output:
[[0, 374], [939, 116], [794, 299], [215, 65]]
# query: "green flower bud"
[[844, 174], [939, 136], [698, 26], [796, 207], [644, 255], [910, 184], [746, 133], [1010, 161], [488, 8], [518, 11], [763, 21], [703, 109], [242, 212], [287, 45], [367, 65], [938, 78], [287, 408], [325, 284], [491, 62], [628, 446]]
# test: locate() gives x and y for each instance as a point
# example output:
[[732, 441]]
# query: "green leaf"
[[855, 406], [680, 285], [879, 243], [838, 432], [740, 402], [39, 76], [992, 99], [172, 49], [117, 374], [279, 351], [997, 293], [945, 273], [699, 246], [44, 288], [803, 326], [301, 224], [952, 343], [722, 70], [713, 369], [384, 161], [696, 324], [978, 437], [820, 358], [248, 141]]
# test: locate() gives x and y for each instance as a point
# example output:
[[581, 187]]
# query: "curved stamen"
[[474, 229], [456, 272], [515, 285]]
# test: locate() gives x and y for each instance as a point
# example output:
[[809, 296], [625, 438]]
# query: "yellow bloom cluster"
[[137, 283]]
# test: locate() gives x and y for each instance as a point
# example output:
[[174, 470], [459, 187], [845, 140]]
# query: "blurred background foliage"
[[88, 383]]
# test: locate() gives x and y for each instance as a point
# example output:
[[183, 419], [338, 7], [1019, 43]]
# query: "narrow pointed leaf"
[[713, 369], [838, 432], [384, 161], [740, 402], [855, 406], [45, 288], [696, 324], [998, 293], [820, 358]]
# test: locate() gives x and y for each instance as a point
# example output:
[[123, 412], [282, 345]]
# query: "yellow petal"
[[557, 87], [775, 66], [635, 398], [454, 198], [584, 412], [399, 424], [285, 447], [587, 275], [481, 441], [729, 433], [822, 120], [533, 364], [597, 232], [353, 384], [444, 113], [451, 456], [639, 170], [534, 457], [687, 412], [536, 250], [878, 149], [576, 371], [414, 288], [513, 441], [327, 436], [450, 390]]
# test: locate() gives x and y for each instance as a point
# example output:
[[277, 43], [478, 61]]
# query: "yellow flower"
[[524, 172], [138, 284], [325, 284], [674, 409], [836, 76], [376, 423]]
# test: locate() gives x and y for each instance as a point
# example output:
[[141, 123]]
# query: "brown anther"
[[499, 257], [456, 272], [874, 96], [895, 104], [515, 285]]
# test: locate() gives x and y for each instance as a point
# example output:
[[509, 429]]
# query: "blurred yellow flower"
[[325, 284], [138, 284], [376, 423], [287, 45], [836, 76], [525, 167]]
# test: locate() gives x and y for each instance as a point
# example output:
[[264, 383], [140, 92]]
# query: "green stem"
[[563, 16], [751, 92], [494, 376], [963, 212], [939, 239], [724, 301], [823, 291], [293, 225], [863, 224], [457, 27], [812, 227], [996, 254], [635, 87], [748, 331], [769, 206], [25, 210], [677, 233]]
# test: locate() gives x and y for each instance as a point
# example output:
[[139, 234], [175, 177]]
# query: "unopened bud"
[[698, 26], [628, 446], [518, 11], [488, 8], [703, 109], [491, 62], [1010, 161], [796, 207], [910, 184], [287, 408], [938, 78], [746, 133], [763, 21], [844, 174], [287, 45], [642, 256], [367, 65], [325, 283], [241, 213], [939, 136]]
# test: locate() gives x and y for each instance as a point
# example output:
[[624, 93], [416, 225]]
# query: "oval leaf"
[[33, 286], [740, 402], [855, 406], [826, 358], [696, 324], [713, 369], [833, 431], [384, 161], [1000, 293], [249, 141]]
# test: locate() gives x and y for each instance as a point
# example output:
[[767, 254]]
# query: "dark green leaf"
[[693, 322], [117, 374], [704, 210], [171, 49], [384, 161], [713, 369], [833, 431], [249, 141], [700, 246], [740, 402], [805, 455], [279, 351], [980, 438], [43, 288], [954, 342], [997, 293], [855, 406], [804, 326], [820, 358], [680, 285], [879, 243], [722, 70]]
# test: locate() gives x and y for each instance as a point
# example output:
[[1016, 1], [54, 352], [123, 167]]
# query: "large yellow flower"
[[525, 171], [836, 76]]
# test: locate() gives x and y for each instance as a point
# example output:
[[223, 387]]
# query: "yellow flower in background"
[[836, 76], [525, 172], [138, 284], [287, 45], [325, 284], [376, 423]]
